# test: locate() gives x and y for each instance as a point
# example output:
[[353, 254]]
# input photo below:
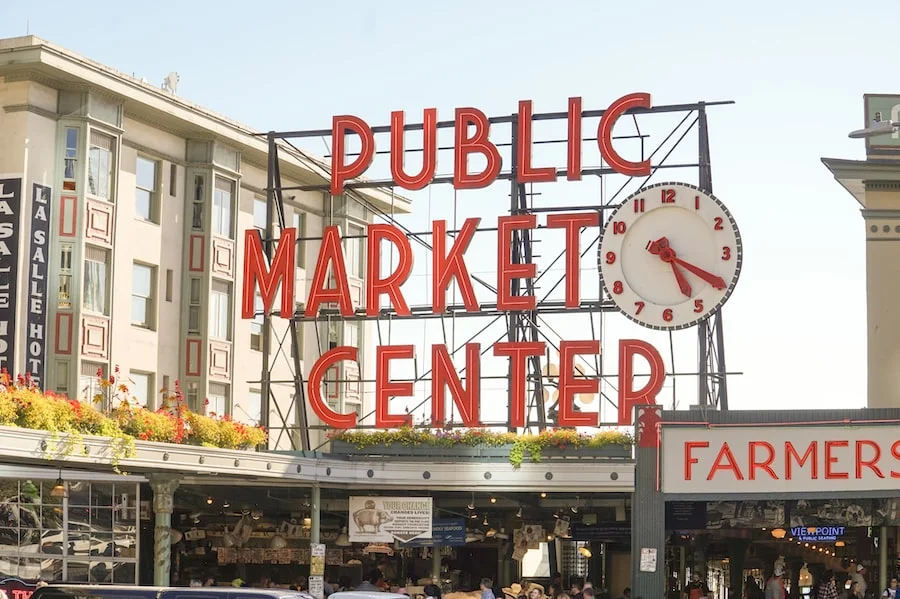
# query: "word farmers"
[[448, 264], [471, 136]]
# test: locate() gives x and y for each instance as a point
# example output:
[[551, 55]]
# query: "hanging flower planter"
[[437, 443]]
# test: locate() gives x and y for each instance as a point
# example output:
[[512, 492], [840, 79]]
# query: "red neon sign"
[[448, 264], [472, 136]]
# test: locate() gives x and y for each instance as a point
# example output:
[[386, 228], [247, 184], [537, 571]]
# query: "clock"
[[670, 256]]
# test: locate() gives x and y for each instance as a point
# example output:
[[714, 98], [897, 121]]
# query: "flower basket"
[[480, 444]]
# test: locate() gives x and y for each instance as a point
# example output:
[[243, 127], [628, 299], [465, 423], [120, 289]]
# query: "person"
[[751, 589], [210, 582], [537, 591], [432, 591], [827, 588], [487, 588], [697, 589], [891, 591], [775, 585], [859, 582], [372, 582], [626, 594]]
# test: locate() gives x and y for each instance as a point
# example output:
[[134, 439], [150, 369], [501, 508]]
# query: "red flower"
[[112, 380]]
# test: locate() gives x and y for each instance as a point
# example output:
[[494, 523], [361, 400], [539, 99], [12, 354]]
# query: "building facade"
[[124, 216]]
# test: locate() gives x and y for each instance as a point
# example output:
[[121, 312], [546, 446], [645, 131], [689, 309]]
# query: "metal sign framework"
[[521, 326]]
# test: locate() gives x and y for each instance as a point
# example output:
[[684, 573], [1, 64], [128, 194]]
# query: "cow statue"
[[370, 516]]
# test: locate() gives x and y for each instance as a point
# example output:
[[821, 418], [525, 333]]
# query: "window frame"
[[221, 210], [150, 300], [152, 193], [111, 167], [216, 310], [150, 400], [355, 239], [106, 281]]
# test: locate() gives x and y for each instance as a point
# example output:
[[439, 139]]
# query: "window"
[[220, 311], [71, 160], [145, 189], [218, 399], [197, 204], [300, 339], [299, 223], [62, 378], [354, 252], [89, 388], [169, 284], [250, 410], [142, 304], [257, 324], [259, 214], [221, 209], [352, 337], [64, 297], [193, 397], [194, 307], [96, 289], [142, 391], [100, 164], [173, 179]]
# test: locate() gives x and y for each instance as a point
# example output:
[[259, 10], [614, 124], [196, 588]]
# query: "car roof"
[[366, 595], [139, 589]]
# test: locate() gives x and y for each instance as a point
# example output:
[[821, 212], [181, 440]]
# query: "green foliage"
[[520, 446]]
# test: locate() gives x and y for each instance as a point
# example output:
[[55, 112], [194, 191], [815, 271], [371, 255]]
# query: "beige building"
[[123, 244], [875, 184]]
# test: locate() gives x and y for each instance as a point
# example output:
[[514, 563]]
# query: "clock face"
[[670, 256]]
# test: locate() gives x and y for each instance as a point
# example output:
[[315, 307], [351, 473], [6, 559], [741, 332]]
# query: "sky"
[[797, 71]]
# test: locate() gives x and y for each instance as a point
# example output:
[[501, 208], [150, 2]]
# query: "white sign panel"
[[648, 559], [383, 519], [773, 459]]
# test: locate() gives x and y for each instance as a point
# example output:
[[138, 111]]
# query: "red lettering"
[[429, 151], [385, 389], [871, 464], [316, 375], [604, 135], [444, 374], [569, 384], [375, 285], [527, 173], [895, 452], [478, 143], [810, 455], [765, 464], [446, 265], [280, 273], [729, 463], [833, 459], [573, 162], [628, 396], [517, 352], [573, 223], [689, 459], [330, 253], [340, 172], [506, 270]]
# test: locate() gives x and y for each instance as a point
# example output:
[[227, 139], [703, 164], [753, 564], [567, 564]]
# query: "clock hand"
[[661, 248], [716, 282]]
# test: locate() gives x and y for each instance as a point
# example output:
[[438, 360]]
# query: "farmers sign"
[[772, 459], [384, 519]]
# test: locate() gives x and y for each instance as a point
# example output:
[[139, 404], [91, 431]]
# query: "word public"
[[471, 136], [448, 265]]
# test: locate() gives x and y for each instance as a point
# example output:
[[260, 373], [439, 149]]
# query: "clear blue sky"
[[797, 70]]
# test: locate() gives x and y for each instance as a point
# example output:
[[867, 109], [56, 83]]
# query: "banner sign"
[[384, 519], [10, 205], [445, 532], [38, 252], [601, 534], [779, 459]]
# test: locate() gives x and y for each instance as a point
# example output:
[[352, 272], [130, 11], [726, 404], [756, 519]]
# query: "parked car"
[[75, 591]]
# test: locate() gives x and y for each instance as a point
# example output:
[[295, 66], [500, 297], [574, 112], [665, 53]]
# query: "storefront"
[[735, 494]]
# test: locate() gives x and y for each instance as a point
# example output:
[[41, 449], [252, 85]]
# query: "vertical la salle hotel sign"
[[35, 352], [10, 206]]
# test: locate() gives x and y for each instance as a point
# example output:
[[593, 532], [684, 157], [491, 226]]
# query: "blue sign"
[[817, 533], [447, 532]]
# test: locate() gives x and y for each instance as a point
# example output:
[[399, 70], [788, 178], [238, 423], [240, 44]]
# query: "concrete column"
[[163, 502], [882, 561], [648, 515], [316, 507]]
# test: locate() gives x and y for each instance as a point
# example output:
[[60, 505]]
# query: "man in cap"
[[859, 582], [775, 585]]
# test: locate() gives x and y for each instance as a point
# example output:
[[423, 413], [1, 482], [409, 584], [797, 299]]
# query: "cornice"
[[49, 114]]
